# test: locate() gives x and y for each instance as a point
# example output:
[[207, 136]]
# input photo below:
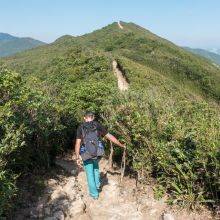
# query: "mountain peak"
[[6, 36]]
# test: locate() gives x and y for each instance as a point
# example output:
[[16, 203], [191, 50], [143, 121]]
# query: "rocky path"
[[120, 26], [122, 82], [67, 198]]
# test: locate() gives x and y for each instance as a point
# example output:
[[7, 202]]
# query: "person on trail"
[[89, 149]]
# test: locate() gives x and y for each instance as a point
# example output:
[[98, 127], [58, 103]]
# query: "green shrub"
[[32, 130], [178, 144]]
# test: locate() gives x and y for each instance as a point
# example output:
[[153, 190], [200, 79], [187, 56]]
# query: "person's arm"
[[114, 140], [77, 149]]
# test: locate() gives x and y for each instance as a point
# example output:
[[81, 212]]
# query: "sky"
[[193, 23]]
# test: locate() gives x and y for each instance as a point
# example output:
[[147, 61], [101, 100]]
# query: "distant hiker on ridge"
[[89, 149]]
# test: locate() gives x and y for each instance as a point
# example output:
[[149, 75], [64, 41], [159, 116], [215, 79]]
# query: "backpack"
[[92, 147]]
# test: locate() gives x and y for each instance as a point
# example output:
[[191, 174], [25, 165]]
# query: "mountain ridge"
[[10, 45], [215, 57], [6, 36], [141, 46]]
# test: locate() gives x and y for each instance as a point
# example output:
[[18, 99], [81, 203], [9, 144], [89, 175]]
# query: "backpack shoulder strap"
[[83, 132]]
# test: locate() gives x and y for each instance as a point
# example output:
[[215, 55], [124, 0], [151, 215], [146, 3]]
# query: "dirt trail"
[[120, 26], [67, 198], [122, 82]]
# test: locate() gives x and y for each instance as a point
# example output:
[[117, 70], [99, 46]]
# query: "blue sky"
[[194, 23]]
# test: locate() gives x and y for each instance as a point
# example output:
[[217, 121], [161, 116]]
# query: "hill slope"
[[10, 45], [168, 114], [141, 46], [205, 53]]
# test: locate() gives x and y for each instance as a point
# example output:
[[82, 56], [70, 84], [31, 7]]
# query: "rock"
[[67, 165], [82, 181], [152, 211], [69, 199], [78, 196], [58, 194], [47, 211], [59, 215], [61, 205], [111, 191], [167, 216], [64, 202], [103, 165], [48, 190], [83, 217], [40, 207], [82, 177], [113, 211], [50, 218], [74, 172], [34, 213], [69, 189], [77, 208], [52, 182]]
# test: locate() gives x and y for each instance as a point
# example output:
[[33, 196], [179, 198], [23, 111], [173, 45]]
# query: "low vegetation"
[[171, 128]]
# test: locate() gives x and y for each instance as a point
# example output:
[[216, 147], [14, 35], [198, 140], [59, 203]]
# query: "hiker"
[[89, 149]]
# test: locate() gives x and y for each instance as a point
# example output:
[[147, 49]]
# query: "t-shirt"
[[102, 131]]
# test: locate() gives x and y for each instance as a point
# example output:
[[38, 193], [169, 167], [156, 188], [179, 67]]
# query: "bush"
[[32, 130], [178, 144]]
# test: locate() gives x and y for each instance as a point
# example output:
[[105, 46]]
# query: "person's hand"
[[73, 157], [123, 146]]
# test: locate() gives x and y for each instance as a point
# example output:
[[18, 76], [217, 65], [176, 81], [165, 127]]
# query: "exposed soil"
[[122, 82], [65, 196]]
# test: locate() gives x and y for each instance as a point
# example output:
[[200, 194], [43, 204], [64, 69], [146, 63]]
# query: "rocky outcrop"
[[67, 198]]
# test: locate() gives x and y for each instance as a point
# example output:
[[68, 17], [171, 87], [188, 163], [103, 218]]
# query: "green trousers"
[[91, 167]]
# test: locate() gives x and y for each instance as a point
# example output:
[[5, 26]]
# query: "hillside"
[[141, 46], [205, 53], [10, 45], [214, 50], [167, 111]]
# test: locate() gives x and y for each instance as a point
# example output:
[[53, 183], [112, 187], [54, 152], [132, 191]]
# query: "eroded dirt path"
[[120, 26], [67, 198], [122, 82]]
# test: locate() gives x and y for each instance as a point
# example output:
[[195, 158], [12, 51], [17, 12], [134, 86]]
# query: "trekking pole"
[[110, 161], [123, 163]]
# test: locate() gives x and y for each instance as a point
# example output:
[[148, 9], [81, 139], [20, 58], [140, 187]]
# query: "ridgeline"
[[168, 116]]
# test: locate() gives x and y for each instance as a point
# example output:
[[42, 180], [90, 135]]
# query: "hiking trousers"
[[91, 167]]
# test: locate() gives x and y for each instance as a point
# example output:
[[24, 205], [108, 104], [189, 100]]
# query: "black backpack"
[[92, 147]]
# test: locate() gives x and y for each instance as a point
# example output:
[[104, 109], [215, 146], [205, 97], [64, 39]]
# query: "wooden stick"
[[110, 161], [123, 163]]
